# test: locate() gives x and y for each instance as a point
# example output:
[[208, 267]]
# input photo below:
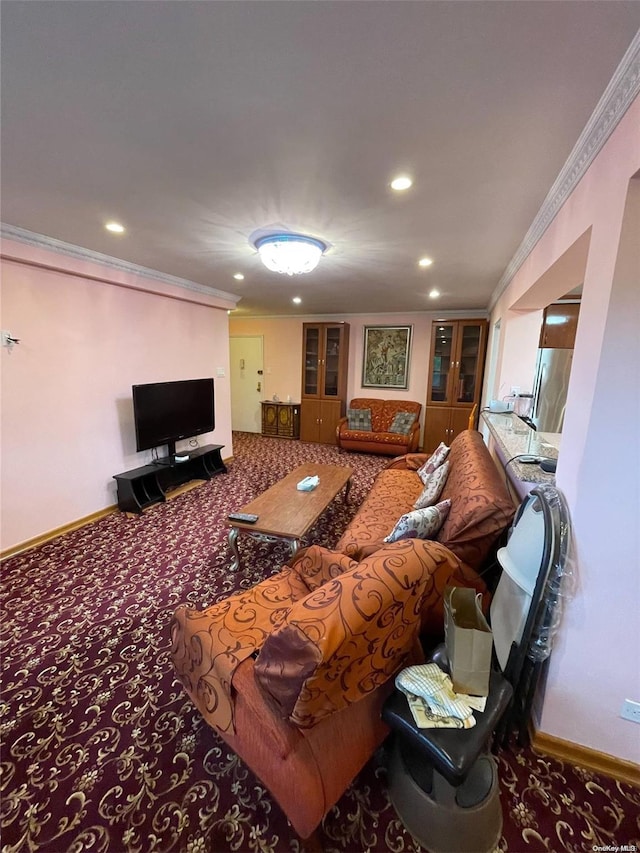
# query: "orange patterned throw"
[[328, 631]]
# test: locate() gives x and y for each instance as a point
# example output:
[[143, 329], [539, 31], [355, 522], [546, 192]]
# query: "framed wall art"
[[385, 361]]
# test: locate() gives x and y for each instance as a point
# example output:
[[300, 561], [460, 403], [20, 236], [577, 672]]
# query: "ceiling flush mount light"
[[433, 294], [238, 276], [402, 182], [296, 300], [115, 227], [425, 262], [290, 254]]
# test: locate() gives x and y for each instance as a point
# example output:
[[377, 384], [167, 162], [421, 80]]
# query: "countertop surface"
[[515, 438]]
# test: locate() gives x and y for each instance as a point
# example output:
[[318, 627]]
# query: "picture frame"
[[386, 356]]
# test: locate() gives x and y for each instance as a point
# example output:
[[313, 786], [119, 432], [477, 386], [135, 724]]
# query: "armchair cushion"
[[402, 422], [359, 419], [434, 484], [433, 462], [421, 523]]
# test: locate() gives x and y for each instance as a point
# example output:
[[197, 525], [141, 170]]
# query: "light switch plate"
[[630, 711]]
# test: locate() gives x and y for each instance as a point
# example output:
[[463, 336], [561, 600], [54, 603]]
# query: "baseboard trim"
[[58, 531], [87, 519], [583, 756]]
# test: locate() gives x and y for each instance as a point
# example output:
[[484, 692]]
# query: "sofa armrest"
[[414, 436], [339, 426], [408, 462], [266, 721], [316, 565]]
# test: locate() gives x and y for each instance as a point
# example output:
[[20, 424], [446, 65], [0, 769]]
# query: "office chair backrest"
[[533, 563]]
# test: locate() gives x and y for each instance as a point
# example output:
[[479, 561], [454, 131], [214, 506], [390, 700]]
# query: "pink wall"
[[594, 666], [520, 335], [283, 352], [419, 365], [67, 419]]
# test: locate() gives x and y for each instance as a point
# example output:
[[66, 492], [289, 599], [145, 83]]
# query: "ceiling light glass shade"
[[291, 254], [402, 182]]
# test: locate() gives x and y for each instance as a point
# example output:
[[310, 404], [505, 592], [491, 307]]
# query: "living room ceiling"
[[196, 123]]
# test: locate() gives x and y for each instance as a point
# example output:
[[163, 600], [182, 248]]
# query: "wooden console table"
[[143, 487], [281, 419]]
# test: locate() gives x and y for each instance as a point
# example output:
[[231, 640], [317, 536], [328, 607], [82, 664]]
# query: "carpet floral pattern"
[[101, 749]]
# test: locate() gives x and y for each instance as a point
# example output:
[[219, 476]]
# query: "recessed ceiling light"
[[425, 262], [115, 227], [402, 182], [441, 329], [238, 276], [297, 300], [433, 294]]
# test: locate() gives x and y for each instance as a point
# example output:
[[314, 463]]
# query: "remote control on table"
[[247, 517]]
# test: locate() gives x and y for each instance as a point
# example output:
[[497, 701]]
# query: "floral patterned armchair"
[[380, 439]]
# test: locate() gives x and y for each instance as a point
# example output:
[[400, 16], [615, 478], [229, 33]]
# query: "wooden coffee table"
[[286, 514]]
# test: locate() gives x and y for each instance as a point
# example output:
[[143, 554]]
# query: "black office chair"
[[443, 782]]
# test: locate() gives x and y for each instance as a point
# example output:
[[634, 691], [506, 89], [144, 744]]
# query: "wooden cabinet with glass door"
[[325, 354], [456, 365]]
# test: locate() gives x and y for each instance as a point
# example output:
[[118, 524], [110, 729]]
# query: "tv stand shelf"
[[143, 487]]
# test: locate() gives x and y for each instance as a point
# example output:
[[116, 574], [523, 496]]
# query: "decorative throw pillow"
[[421, 523], [359, 419], [433, 487], [434, 461], [402, 422]]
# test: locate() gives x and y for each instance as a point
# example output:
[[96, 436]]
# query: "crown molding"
[[623, 88], [458, 313], [40, 241]]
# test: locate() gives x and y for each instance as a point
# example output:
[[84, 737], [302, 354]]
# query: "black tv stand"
[[171, 461], [143, 487]]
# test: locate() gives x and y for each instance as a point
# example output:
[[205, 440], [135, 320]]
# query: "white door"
[[247, 383]]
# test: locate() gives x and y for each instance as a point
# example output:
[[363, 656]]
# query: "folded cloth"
[[432, 700], [424, 718]]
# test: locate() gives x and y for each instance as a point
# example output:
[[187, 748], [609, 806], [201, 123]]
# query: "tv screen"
[[165, 412]]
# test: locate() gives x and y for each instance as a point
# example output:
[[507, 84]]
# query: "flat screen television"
[[165, 412]]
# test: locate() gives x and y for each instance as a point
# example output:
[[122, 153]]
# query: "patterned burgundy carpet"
[[101, 751]]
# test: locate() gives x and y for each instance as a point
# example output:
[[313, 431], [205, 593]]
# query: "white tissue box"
[[308, 484]]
